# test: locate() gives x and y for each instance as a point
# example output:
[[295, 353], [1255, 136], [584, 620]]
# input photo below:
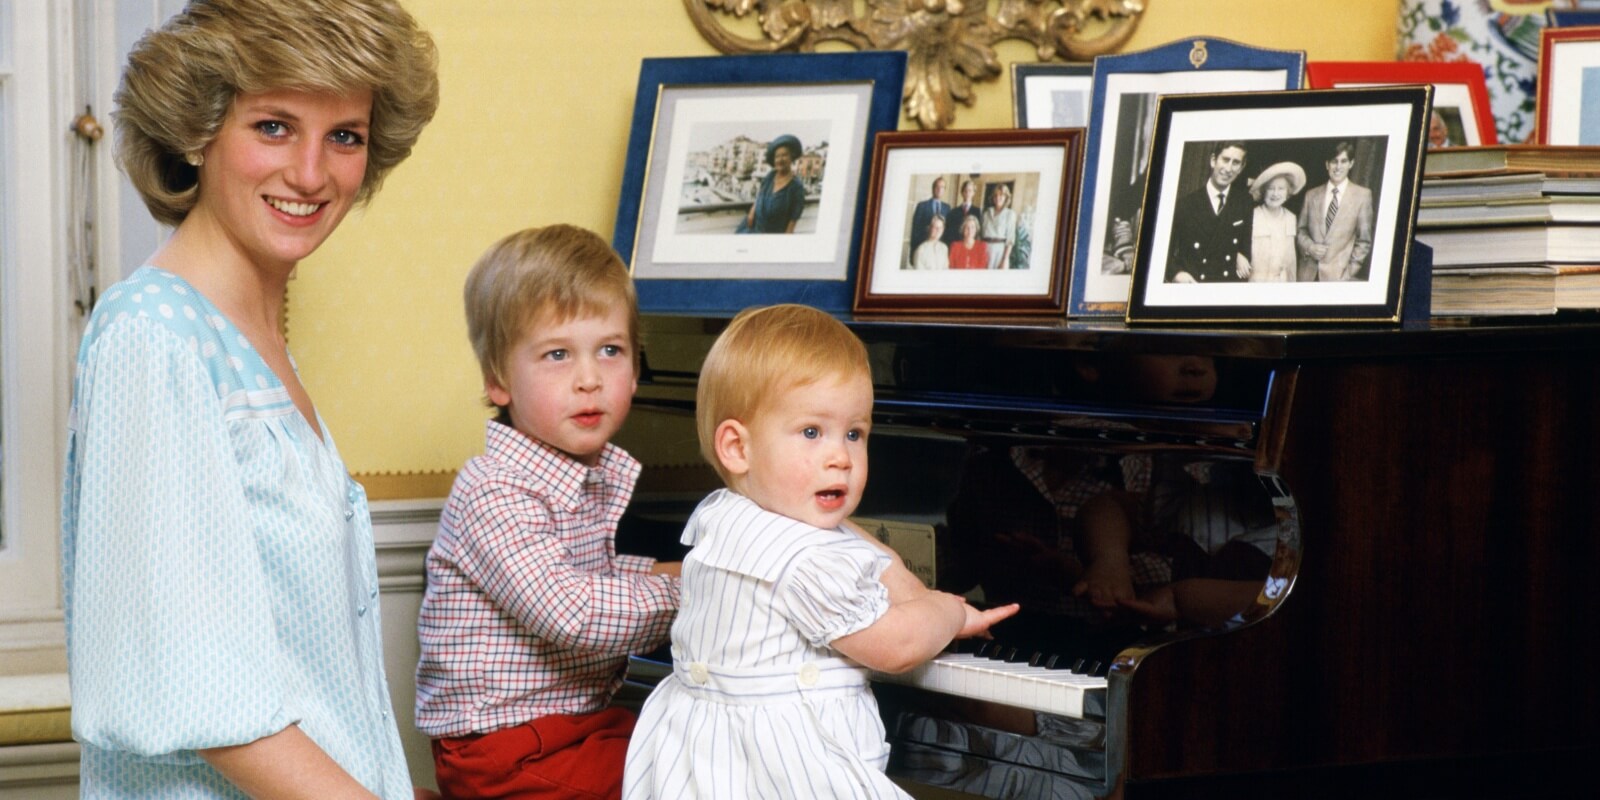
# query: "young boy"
[[786, 603], [529, 614]]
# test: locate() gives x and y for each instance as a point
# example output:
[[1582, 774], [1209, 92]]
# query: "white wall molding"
[[39, 771]]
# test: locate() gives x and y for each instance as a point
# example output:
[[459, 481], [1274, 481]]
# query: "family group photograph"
[[1275, 210]]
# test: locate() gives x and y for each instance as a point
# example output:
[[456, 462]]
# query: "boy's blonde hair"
[[181, 79], [543, 276], [765, 351]]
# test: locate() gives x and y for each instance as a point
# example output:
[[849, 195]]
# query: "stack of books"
[[1515, 229]]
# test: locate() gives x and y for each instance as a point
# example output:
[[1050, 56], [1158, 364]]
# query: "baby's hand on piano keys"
[[979, 621]]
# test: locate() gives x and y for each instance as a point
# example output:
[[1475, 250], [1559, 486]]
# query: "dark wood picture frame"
[[1036, 170]]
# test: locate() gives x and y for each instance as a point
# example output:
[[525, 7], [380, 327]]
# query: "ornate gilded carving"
[[949, 43]]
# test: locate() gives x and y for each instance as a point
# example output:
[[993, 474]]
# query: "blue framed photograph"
[[745, 177], [1117, 155], [1558, 18], [1051, 95], [1292, 206]]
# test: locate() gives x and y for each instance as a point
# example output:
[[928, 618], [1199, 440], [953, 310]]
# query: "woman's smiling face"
[[1276, 193], [782, 160], [283, 171]]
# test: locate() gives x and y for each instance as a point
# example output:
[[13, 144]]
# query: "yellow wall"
[[532, 129]]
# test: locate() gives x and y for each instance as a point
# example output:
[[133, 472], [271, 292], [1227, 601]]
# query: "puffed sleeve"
[[829, 592], [171, 635]]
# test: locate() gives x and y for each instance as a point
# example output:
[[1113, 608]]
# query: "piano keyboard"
[[1054, 691]]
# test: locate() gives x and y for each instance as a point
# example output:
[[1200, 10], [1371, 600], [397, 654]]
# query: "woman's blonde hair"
[[547, 275], [765, 351], [182, 78]]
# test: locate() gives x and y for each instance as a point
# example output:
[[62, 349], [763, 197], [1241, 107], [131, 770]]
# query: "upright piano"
[[1418, 618]]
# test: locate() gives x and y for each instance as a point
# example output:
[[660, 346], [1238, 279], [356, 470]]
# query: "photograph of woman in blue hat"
[[782, 196]]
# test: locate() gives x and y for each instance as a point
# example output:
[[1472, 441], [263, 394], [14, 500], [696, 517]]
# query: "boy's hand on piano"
[[979, 621], [1108, 582], [1156, 605]]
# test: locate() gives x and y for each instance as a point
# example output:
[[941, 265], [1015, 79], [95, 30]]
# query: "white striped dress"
[[758, 705]]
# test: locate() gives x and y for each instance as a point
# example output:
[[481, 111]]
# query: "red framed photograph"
[[1461, 115], [1568, 103]]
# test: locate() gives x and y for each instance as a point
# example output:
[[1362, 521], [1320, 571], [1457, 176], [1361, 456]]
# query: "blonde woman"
[[221, 585], [999, 229]]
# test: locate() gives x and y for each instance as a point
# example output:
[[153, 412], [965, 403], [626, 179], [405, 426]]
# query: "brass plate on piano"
[[912, 540]]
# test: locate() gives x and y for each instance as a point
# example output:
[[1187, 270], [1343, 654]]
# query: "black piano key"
[[1051, 661], [1011, 656], [1078, 665], [1094, 668], [1035, 659]]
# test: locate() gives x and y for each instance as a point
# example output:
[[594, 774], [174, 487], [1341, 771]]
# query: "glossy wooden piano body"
[[1434, 619]]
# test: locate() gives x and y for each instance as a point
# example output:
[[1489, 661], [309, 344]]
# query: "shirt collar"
[[563, 476]]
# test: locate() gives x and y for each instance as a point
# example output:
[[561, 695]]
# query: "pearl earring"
[[195, 159]]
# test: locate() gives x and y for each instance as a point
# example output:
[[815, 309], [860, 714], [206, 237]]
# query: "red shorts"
[[557, 756]]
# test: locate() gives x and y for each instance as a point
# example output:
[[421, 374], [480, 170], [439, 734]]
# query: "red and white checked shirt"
[[529, 611]]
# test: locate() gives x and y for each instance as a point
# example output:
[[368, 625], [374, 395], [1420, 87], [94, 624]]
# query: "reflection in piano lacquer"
[[994, 763], [1028, 715], [990, 750]]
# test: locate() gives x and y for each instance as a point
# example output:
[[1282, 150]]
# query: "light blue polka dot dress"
[[218, 560]]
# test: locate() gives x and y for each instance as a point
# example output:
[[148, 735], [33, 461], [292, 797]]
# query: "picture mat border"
[[1558, 123], [1044, 77], [884, 69], [1213, 118], [923, 152], [1225, 57], [898, 174], [1457, 84]]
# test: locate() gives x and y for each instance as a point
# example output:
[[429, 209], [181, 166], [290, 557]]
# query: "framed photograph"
[[1461, 115], [1117, 151], [1051, 95], [1280, 206], [1568, 101], [967, 222], [744, 182]]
